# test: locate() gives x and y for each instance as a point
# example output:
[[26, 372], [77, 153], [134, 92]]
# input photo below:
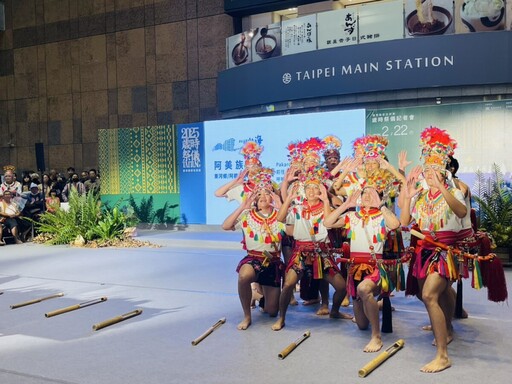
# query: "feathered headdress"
[[436, 145], [314, 175], [295, 152], [263, 179], [311, 149], [251, 151], [9, 168], [332, 146], [370, 146]]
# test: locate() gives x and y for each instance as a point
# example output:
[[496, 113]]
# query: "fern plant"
[[493, 199], [85, 218], [144, 212]]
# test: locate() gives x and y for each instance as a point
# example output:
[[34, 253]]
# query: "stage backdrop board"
[[481, 131], [225, 138], [192, 173], [140, 162]]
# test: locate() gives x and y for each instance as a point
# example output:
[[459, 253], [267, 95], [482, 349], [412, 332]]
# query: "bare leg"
[[15, 234], [324, 293], [290, 280], [271, 295], [367, 290], [287, 254], [246, 276], [339, 285], [434, 286], [257, 293]]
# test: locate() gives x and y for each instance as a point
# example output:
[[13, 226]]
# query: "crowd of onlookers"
[[23, 200]]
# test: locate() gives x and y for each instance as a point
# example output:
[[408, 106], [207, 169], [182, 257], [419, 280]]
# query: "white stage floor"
[[185, 287]]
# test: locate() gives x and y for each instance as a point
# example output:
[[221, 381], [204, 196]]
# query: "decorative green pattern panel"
[[138, 160]]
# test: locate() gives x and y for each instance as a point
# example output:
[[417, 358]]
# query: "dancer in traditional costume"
[[438, 211], [367, 228], [311, 249], [238, 189], [262, 232]]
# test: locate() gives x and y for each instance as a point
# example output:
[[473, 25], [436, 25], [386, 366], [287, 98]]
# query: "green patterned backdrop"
[[140, 162]]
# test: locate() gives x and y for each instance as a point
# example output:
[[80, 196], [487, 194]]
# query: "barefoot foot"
[[437, 365], [278, 325], [340, 315], [323, 311], [374, 345], [244, 324], [311, 302]]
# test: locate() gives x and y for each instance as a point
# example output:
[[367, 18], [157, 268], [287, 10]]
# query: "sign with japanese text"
[[337, 28], [299, 35]]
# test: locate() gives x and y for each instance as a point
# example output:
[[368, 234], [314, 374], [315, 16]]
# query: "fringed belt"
[[265, 257]]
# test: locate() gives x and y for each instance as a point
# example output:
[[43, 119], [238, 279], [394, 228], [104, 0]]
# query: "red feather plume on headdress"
[[437, 145], [251, 149]]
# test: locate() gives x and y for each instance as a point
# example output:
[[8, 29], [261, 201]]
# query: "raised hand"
[[291, 174], [403, 163], [323, 193], [241, 176], [353, 198]]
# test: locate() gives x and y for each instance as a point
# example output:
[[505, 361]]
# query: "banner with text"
[[192, 173], [480, 129], [453, 60], [299, 35]]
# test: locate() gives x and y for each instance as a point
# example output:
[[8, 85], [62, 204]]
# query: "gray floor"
[[183, 288]]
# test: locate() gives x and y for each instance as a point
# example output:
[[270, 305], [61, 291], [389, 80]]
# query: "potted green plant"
[[493, 198]]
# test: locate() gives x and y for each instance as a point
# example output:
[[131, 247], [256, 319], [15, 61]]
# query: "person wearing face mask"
[[73, 184], [256, 217]]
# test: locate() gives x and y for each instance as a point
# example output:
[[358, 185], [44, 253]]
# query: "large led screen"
[[225, 138]]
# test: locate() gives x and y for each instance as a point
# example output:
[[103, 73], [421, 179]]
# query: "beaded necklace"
[[433, 211], [312, 213], [264, 229], [366, 217]]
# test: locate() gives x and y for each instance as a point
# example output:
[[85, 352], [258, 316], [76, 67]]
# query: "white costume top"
[[366, 228], [308, 226], [432, 213], [261, 232]]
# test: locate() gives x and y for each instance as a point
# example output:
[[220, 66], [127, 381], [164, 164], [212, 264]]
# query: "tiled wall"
[[71, 67]]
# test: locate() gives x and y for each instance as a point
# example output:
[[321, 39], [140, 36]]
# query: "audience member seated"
[[46, 184], [52, 202], [34, 202], [58, 185], [93, 183], [10, 183], [84, 176], [25, 183], [72, 184], [9, 213]]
